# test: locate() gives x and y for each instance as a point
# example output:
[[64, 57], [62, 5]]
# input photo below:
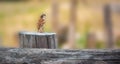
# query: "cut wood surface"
[[37, 40], [55, 56]]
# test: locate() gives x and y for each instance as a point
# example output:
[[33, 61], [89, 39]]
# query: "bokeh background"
[[78, 23]]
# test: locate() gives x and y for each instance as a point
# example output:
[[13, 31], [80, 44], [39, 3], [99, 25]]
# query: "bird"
[[41, 22]]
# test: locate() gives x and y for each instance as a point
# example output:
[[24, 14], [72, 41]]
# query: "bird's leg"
[[41, 30]]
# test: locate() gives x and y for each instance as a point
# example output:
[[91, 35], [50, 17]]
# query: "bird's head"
[[43, 16]]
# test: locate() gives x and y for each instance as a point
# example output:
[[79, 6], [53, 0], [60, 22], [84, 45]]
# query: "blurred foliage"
[[22, 15], [100, 45], [81, 42]]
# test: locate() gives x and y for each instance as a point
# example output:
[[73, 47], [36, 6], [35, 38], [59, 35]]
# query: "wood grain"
[[55, 56], [37, 40]]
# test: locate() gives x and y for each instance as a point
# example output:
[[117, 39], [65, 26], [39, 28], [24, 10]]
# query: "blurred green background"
[[16, 16]]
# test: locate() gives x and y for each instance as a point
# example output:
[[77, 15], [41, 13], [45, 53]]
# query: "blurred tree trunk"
[[108, 27], [61, 30], [55, 10], [71, 34]]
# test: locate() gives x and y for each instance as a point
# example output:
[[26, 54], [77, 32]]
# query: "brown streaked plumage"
[[41, 22]]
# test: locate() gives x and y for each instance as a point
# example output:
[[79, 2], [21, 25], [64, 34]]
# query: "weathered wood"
[[53, 56], [37, 40]]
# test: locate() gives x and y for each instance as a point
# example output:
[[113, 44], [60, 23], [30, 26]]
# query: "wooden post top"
[[37, 40], [37, 33]]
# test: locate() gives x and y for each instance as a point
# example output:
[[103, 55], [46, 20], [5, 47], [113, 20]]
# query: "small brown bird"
[[41, 22]]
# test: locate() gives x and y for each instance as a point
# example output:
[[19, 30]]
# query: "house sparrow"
[[41, 22]]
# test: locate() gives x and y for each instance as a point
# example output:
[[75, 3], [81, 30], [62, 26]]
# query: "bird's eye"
[[44, 17]]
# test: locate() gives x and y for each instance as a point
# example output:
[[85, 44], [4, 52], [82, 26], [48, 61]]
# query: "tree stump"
[[37, 40]]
